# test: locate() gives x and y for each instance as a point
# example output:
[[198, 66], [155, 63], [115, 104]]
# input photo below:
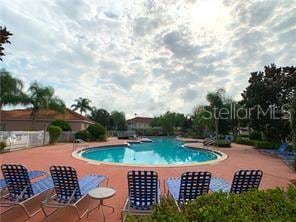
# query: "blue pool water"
[[164, 151]]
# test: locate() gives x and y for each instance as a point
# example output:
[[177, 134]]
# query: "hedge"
[[244, 141], [266, 145], [2, 145], [255, 135], [97, 132], [223, 143], [62, 124], [83, 135], [54, 133], [268, 205]]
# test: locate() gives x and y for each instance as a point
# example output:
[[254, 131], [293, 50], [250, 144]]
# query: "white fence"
[[24, 139], [67, 136]]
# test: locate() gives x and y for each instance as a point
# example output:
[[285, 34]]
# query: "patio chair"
[[32, 175], [21, 192], [188, 187], [69, 191], [243, 180], [143, 193]]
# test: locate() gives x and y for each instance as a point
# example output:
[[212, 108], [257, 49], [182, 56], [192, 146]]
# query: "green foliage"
[[82, 104], [223, 143], [266, 205], [97, 132], [64, 125], [2, 145], [255, 135], [43, 98], [266, 145], [11, 90], [54, 133], [83, 135], [3, 40], [244, 141], [272, 88], [293, 119], [118, 121], [101, 116]]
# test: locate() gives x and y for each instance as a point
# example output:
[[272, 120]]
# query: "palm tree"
[[11, 90], [42, 98], [82, 104]]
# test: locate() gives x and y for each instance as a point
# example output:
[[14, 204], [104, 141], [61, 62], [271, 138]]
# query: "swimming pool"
[[162, 151]]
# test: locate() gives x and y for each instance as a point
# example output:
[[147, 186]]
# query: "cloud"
[[146, 57]]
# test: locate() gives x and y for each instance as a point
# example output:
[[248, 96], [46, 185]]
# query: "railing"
[[79, 143]]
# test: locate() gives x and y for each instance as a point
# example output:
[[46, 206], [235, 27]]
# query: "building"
[[138, 123], [21, 120]]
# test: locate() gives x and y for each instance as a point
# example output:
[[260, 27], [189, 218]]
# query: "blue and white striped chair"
[[243, 180], [69, 191], [188, 187], [32, 175], [21, 190], [143, 192]]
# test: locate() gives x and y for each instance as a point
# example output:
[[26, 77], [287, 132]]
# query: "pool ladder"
[[79, 143], [208, 143]]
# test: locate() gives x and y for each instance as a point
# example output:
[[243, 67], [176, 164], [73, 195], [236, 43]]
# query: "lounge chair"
[[243, 180], [188, 187], [143, 193], [32, 175], [20, 189], [69, 191]]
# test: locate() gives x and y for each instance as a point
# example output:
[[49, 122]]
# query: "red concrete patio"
[[276, 173]]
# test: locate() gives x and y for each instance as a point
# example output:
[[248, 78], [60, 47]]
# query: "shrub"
[[54, 133], [2, 145], [83, 135], [244, 141], [255, 135], [223, 143], [97, 132], [265, 205], [62, 124], [266, 145]]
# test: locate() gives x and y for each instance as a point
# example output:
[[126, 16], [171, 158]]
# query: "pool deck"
[[276, 173]]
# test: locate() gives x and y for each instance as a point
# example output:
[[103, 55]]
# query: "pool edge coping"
[[76, 155]]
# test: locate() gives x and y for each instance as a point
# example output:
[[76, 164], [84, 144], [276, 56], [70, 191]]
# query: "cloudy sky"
[[146, 57]]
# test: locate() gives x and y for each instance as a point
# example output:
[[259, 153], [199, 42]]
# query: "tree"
[[266, 97], [4, 36], [293, 120], [118, 121], [82, 104], [100, 116], [216, 103], [42, 98], [168, 123], [11, 90]]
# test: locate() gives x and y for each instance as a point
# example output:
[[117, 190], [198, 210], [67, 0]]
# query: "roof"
[[25, 114], [139, 119]]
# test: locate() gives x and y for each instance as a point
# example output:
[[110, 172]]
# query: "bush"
[[2, 145], [266, 145], [97, 132], [244, 141], [266, 205], [54, 133], [83, 135], [255, 135], [62, 124], [223, 143]]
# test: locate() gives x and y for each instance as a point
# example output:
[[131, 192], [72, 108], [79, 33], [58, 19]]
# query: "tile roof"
[[140, 119], [25, 114]]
